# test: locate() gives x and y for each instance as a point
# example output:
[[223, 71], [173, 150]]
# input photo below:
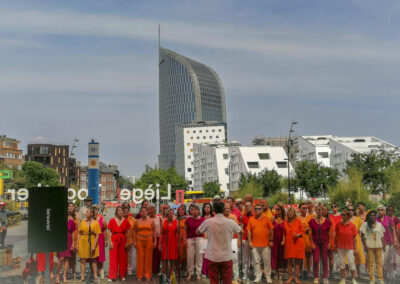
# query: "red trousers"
[[118, 257], [41, 261], [220, 269]]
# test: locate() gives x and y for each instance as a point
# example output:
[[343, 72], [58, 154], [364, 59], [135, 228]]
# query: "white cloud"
[[271, 41]]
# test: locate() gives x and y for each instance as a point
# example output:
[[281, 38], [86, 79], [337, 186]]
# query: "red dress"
[[170, 234]]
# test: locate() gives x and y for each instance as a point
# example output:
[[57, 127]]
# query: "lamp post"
[[288, 147]]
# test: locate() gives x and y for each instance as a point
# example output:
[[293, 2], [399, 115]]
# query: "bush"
[[350, 188], [281, 197], [249, 188]]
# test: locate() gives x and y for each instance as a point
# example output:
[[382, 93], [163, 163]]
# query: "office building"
[[189, 91], [278, 141], [315, 149]]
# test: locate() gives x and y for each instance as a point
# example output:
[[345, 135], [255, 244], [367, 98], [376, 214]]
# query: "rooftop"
[[364, 143]]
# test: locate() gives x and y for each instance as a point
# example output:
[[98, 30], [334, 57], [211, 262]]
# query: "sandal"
[[81, 280], [289, 280]]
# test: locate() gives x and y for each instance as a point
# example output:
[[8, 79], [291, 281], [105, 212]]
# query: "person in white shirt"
[[219, 253], [372, 233]]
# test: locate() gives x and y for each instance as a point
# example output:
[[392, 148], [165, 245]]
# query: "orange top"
[[132, 222], [345, 234], [294, 247], [259, 229], [307, 231], [144, 230], [269, 214]]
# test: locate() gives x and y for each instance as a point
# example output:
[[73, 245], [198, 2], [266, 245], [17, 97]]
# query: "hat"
[[2, 203], [88, 198], [217, 197], [239, 200]]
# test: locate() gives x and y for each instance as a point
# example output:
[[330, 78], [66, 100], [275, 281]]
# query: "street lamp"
[[288, 153]]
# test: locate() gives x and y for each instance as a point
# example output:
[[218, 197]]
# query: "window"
[[264, 156], [44, 150], [213, 130], [281, 165], [225, 156], [189, 170], [188, 132], [194, 131], [207, 130], [210, 137], [191, 138], [323, 154], [200, 131], [217, 136], [198, 137], [189, 157], [191, 150], [253, 165], [204, 137], [226, 171], [219, 130], [188, 144]]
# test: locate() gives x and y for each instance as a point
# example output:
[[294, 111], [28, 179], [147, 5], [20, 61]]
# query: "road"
[[17, 236]]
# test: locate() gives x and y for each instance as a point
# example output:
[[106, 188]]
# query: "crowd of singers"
[[287, 242]]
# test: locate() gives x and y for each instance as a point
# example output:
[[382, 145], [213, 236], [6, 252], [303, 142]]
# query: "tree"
[[270, 182], [211, 188], [314, 178], [163, 178], [35, 173], [375, 167], [125, 183], [250, 187]]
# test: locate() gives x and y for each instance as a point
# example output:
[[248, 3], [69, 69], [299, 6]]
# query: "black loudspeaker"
[[47, 219]]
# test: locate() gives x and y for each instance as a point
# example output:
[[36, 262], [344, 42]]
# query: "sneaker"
[[257, 280], [123, 279], [269, 280], [109, 280], [354, 281], [316, 280], [343, 281]]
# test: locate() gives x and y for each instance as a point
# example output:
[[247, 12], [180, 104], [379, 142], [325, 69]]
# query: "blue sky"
[[88, 69]]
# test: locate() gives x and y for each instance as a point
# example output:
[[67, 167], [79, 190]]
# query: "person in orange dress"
[[144, 242], [169, 244], [294, 245], [181, 216], [304, 217]]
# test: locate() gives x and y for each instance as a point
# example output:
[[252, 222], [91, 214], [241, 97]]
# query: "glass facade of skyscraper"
[[189, 91]]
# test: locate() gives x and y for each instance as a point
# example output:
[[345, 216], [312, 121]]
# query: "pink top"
[[192, 225]]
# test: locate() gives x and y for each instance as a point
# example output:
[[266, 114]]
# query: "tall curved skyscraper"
[[189, 91]]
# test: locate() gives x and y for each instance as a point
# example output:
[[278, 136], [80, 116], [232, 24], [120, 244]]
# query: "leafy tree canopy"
[[211, 188]]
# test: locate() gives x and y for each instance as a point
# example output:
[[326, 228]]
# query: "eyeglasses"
[[334, 206], [351, 209], [258, 208], [303, 208], [381, 209], [277, 209]]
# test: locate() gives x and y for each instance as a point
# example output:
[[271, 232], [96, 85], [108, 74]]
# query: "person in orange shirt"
[[131, 237], [335, 219], [266, 210], [345, 243], [305, 218], [294, 245], [260, 236]]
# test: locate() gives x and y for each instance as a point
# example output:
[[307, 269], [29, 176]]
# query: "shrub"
[[250, 187], [281, 197]]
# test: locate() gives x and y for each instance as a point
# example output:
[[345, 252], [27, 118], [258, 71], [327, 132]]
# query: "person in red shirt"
[[118, 233], [246, 250], [234, 210], [335, 218], [345, 243]]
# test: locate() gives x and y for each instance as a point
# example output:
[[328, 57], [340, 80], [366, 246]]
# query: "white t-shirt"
[[373, 238], [219, 231]]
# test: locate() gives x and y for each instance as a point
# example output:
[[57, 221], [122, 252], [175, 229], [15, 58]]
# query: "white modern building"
[[211, 163], [315, 149], [343, 147], [188, 134], [254, 160]]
